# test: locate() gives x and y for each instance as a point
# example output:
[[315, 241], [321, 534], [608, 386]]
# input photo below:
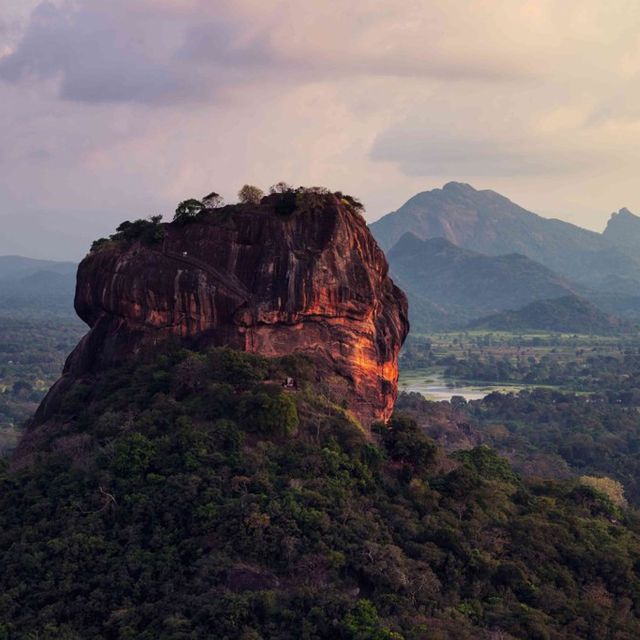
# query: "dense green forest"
[[545, 433], [193, 497], [574, 409], [33, 347], [595, 434]]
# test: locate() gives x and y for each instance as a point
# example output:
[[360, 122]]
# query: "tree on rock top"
[[250, 194], [213, 200], [187, 210]]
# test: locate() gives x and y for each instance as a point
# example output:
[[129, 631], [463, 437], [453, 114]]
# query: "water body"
[[433, 386]]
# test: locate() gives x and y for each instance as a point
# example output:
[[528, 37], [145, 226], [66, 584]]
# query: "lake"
[[433, 386]]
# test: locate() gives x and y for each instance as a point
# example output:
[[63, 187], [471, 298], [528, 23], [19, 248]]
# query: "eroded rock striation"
[[313, 281]]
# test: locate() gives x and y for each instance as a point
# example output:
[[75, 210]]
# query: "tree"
[[312, 199], [250, 194], [609, 487], [269, 415], [188, 210], [280, 187], [213, 200], [405, 442]]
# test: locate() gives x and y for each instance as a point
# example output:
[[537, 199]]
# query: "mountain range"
[[463, 285], [461, 254], [487, 222], [30, 284]]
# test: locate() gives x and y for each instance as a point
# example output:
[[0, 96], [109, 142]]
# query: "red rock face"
[[313, 282]]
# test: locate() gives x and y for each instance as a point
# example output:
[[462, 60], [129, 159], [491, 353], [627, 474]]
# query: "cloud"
[[120, 108], [159, 53], [420, 153], [97, 55]]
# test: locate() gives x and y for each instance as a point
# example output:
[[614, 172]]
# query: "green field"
[[473, 361]]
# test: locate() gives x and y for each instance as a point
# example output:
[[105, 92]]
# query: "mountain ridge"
[[449, 286], [488, 222], [34, 285]]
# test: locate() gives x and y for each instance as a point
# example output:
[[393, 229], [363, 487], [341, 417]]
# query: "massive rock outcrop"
[[313, 281]]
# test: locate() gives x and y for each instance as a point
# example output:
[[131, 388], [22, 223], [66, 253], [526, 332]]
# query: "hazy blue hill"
[[455, 285], [15, 267], [489, 223], [36, 285], [621, 305], [566, 314]]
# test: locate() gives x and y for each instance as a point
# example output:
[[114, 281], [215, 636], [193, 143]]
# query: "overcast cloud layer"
[[119, 109]]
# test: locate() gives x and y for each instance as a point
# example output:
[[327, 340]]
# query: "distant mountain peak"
[[449, 285], [623, 213], [623, 231], [458, 186], [487, 222]]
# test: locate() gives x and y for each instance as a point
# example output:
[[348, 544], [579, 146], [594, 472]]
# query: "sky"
[[118, 110]]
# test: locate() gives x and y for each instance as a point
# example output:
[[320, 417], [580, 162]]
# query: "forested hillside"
[[570, 314], [192, 496], [464, 285]]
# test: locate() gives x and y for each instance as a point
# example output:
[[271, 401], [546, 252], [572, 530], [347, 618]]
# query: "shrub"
[[349, 201], [133, 454], [488, 464], [286, 203], [236, 367], [312, 199], [269, 414], [148, 231], [280, 187], [188, 210], [405, 442], [100, 243], [607, 486]]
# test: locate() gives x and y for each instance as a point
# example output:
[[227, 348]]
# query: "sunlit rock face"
[[313, 281]]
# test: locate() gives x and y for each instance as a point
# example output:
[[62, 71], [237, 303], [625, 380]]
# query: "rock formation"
[[313, 281]]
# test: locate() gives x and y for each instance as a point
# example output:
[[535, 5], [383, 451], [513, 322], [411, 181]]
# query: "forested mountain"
[[565, 314], [461, 285], [489, 223]]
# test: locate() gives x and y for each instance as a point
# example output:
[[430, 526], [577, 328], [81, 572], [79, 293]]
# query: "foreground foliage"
[[194, 497]]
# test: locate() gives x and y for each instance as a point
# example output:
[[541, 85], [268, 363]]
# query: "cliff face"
[[313, 282]]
